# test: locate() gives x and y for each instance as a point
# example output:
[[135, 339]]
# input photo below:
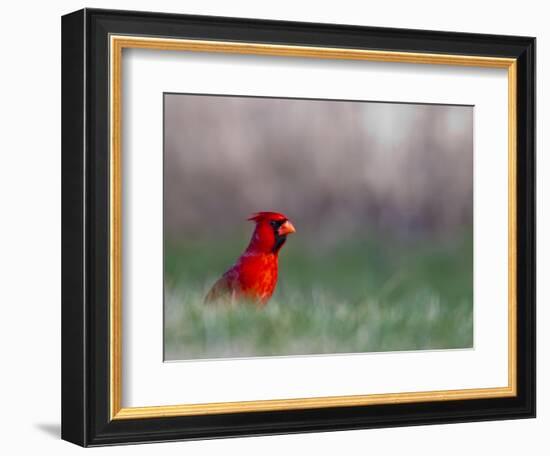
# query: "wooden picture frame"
[[92, 45]]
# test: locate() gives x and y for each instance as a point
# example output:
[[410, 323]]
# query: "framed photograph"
[[279, 227]]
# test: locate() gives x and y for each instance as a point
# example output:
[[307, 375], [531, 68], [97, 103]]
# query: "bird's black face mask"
[[280, 239]]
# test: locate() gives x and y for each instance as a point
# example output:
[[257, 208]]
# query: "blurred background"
[[381, 195]]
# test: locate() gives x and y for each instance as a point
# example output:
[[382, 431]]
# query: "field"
[[367, 295]]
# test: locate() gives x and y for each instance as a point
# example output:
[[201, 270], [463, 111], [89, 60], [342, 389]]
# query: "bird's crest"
[[259, 216]]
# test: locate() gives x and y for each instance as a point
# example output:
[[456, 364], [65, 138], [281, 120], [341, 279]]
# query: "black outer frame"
[[85, 227]]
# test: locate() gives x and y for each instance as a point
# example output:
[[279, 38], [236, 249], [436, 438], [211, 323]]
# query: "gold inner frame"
[[117, 44]]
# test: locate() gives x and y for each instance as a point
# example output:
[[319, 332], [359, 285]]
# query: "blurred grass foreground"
[[369, 295]]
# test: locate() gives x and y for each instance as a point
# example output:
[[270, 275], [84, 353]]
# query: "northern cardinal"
[[254, 276]]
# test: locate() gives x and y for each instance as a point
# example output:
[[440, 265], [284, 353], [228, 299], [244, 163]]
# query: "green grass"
[[360, 296]]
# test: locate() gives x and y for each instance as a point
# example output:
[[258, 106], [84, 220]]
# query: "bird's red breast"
[[254, 275]]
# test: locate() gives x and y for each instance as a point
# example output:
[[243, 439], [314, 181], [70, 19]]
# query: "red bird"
[[254, 276]]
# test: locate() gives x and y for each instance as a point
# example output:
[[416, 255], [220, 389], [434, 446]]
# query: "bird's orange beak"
[[286, 228]]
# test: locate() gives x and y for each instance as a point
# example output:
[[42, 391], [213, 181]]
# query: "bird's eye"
[[276, 223]]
